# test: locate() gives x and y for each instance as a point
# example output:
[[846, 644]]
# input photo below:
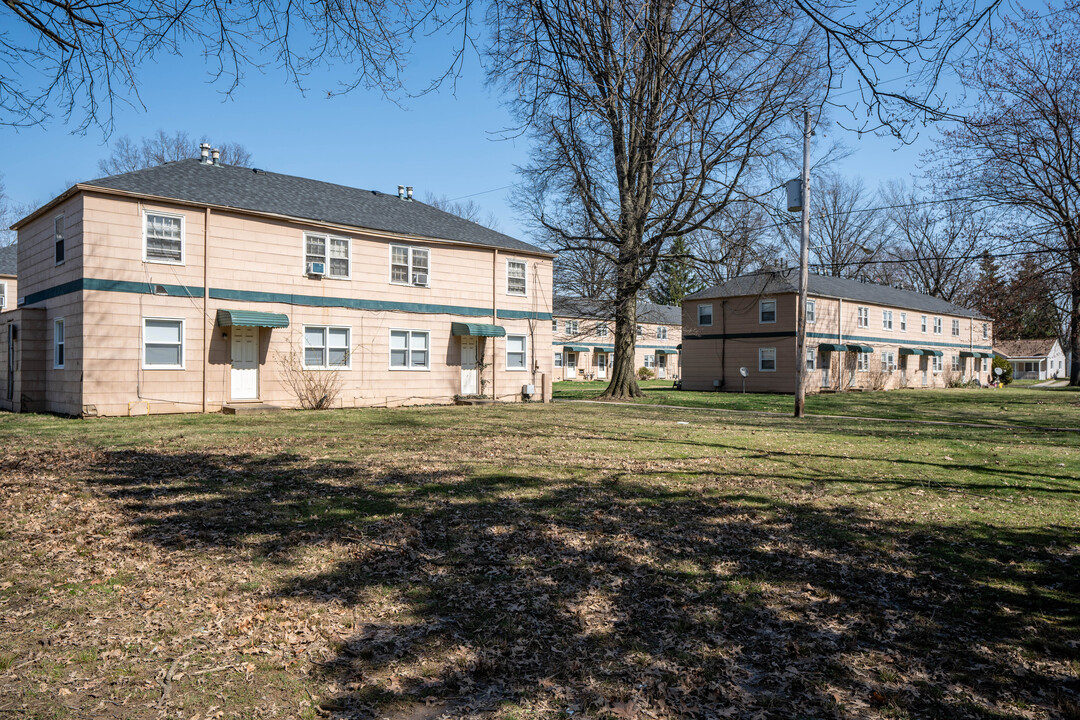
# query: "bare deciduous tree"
[[10, 211], [468, 209], [1019, 147], [934, 246], [78, 59], [646, 116], [847, 233], [743, 238], [126, 155]]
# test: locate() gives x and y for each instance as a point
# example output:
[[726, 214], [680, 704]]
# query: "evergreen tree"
[[675, 277]]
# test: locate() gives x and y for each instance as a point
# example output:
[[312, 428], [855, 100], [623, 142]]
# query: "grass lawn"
[[537, 561], [1011, 405]]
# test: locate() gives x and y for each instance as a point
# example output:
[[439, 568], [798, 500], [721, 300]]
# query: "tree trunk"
[[623, 383], [1074, 317]]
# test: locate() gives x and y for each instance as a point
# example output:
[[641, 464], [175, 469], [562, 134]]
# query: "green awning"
[[602, 350], [476, 330], [970, 354], [251, 318], [860, 348], [679, 346], [832, 347], [666, 351], [935, 353], [912, 351], [575, 348]]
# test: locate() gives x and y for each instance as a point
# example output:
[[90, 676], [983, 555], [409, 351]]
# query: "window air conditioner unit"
[[316, 268], [420, 279]]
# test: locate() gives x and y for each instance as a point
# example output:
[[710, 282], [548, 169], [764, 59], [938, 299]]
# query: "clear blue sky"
[[445, 143]]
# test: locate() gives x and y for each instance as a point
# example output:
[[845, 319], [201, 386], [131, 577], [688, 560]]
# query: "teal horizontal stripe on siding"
[[139, 288], [522, 315], [606, 346], [914, 340], [741, 336]]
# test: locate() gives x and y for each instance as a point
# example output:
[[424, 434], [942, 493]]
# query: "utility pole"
[[804, 273]]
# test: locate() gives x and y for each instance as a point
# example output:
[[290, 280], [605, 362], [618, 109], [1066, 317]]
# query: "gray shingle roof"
[[8, 260], [1038, 347], [262, 191], [768, 282], [647, 312]]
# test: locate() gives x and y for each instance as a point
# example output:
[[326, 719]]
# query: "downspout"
[[205, 299], [494, 319], [723, 343], [840, 341]]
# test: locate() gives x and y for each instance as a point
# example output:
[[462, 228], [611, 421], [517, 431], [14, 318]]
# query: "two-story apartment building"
[[859, 335], [192, 286], [9, 284], [583, 339]]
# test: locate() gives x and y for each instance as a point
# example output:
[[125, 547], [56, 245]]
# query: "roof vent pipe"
[[408, 192], [401, 192], [216, 155], [204, 152]]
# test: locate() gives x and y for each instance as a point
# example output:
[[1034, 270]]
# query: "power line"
[[482, 192]]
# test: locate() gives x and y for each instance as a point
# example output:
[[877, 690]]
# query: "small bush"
[[644, 373], [1000, 362]]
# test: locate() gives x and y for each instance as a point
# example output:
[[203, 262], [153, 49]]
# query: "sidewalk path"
[[765, 413]]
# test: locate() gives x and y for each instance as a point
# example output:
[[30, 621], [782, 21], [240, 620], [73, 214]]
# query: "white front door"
[[570, 366], [903, 370], [825, 368], [922, 369], [601, 366], [245, 363], [661, 366], [470, 374]]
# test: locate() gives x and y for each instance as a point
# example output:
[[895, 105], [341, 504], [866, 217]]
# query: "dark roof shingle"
[[769, 282], [262, 191], [9, 260], [647, 312]]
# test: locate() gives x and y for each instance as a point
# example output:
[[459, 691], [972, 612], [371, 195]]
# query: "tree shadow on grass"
[[532, 589]]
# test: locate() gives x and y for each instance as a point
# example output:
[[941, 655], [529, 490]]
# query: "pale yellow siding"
[[594, 333], [9, 292]]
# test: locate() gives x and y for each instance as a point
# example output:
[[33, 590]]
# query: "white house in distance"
[[1034, 359]]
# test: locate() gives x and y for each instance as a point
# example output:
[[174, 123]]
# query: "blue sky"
[[445, 142]]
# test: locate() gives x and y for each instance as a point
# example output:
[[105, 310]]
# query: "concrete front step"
[[248, 408]]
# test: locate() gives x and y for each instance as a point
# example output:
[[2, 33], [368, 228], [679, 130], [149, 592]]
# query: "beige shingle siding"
[[647, 344]]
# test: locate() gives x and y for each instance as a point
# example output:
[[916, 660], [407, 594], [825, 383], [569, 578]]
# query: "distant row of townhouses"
[[198, 287]]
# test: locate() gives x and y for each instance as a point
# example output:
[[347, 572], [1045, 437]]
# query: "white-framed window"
[[811, 311], [516, 352], [640, 331], [650, 361], [601, 330], [937, 363], [3, 295], [924, 324], [903, 322], [863, 314], [886, 320], [570, 327], [862, 361], [515, 277], [937, 326], [163, 344], [410, 349], [956, 328], [661, 332], [888, 361], [766, 359], [766, 311], [333, 254], [558, 359], [985, 362], [163, 238], [956, 363], [704, 315], [327, 347], [811, 358], [554, 325], [58, 343], [410, 266], [58, 239], [986, 331]]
